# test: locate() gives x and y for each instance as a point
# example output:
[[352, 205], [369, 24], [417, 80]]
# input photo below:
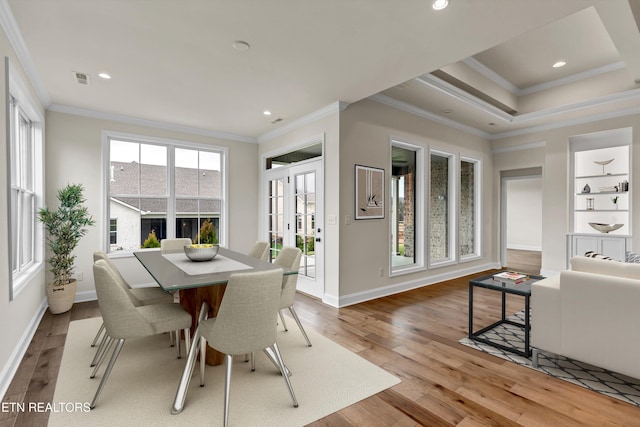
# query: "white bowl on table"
[[201, 252]]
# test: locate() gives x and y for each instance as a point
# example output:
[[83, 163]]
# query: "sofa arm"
[[600, 319], [545, 314]]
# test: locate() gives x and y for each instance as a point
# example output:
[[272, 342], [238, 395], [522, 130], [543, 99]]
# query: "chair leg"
[[187, 340], [228, 361], [178, 343], [104, 353], [284, 324], [253, 361], [203, 356], [171, 341], [295, 317], [107, 372], [95, 340], [276, 350], [105, 337], [274, 360], [183, 386]]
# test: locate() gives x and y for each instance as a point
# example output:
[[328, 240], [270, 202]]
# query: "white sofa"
[[591, 314]]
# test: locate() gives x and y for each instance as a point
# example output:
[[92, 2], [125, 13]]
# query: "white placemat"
[[219, 264]]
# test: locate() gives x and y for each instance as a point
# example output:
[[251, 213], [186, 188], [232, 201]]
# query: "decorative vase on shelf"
[[586, 189]]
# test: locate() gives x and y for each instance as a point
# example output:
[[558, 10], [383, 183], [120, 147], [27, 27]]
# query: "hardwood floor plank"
[[413, 335]]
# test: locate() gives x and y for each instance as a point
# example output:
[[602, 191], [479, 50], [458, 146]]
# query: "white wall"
[[19, 318], [549, 149], [524, 213], [74, 155], [326, 128]]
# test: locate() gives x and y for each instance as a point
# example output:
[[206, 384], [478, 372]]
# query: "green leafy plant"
[[207, 233], [152, 241], [65, 227]]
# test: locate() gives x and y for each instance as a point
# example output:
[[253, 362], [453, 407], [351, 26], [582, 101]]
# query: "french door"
[[294, 217]]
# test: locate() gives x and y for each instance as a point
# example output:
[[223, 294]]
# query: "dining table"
[[201, 287], [198, 282]]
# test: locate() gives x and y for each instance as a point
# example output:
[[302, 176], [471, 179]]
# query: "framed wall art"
[[369, 194]]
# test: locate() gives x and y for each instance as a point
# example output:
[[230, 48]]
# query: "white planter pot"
[[61, 298]]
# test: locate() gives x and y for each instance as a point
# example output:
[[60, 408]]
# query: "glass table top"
[[173, 271]]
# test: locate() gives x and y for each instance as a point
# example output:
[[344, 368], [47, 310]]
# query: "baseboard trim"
[[10, 369], [385, 291], [525, 248]]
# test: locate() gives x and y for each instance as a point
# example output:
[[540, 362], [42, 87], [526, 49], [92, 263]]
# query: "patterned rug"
[[597, 379]]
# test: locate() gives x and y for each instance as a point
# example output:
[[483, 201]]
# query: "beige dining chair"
[[289, 257], [174, 244], [260, 250], [144, 296], [123, 319], [246, 322]]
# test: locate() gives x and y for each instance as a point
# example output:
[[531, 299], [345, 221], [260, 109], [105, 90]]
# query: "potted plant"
[[65, 226]]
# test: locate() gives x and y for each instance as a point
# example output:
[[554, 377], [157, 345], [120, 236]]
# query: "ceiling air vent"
[[278, 120], [82, 78]]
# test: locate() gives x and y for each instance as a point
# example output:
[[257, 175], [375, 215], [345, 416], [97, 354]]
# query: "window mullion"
[[171, 192]]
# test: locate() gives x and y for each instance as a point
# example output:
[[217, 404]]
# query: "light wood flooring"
[[413, 335]]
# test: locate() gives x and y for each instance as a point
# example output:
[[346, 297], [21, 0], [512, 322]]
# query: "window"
[[26, 184], [442, 209], [113, 231], [406, 207], [468, 220], [162, 189]]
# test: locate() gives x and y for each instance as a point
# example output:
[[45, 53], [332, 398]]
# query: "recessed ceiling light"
[[266, 112], [105, 76], [440, 4], [559, 64], [240, 45]]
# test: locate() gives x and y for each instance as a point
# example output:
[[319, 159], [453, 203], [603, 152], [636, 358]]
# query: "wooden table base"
[[191, 300]]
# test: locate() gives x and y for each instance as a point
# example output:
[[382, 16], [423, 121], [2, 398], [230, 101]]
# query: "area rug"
[[140, 391], [583, 374]]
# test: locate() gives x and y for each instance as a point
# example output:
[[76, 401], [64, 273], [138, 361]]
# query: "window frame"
[[419, 215], [452, 199], [171, 145], [20, 105], [477, 201]]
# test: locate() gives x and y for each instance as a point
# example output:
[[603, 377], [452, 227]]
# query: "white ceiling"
[[173, 61]]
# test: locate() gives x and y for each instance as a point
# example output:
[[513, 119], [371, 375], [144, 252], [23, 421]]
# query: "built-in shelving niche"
[[605, 182]]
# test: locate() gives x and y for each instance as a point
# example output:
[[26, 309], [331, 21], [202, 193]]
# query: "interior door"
[[295, 218]]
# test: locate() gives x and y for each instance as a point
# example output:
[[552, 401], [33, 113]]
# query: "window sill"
[[21, 281]]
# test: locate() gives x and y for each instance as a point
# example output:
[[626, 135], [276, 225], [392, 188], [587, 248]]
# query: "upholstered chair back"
[[260, 250], [289, 257], [174, 244], [247, 318], [119, 312]]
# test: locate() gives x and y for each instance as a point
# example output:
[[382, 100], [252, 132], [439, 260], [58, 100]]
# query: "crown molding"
[[520, 147], [461, 95], [10, 27], [514, 90], [394, 103], [572, 78], [566, 123], [491, 75], [149, 123], [333, 108]]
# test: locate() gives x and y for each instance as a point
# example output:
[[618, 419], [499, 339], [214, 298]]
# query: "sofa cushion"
[[600, 266]]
